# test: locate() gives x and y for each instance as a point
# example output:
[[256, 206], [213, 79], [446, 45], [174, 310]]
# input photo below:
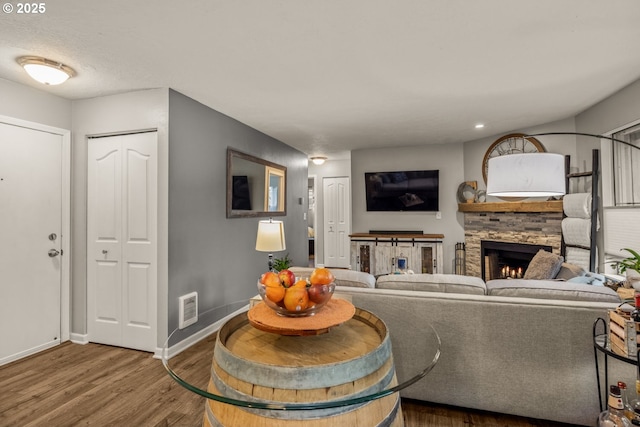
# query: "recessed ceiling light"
[[46, 71], [318, 160], [479, 126]]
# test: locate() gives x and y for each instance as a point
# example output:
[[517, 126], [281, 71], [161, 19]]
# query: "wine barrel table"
[[350, 361]]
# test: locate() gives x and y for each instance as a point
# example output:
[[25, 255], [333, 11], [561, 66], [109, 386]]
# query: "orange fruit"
[[296, 299], [274, 293], [302, 283], [321, 276]]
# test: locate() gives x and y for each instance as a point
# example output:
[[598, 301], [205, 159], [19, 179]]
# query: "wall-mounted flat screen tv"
[[411, 191]]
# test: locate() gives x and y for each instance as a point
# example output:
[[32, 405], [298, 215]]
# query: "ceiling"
[[330, 76]]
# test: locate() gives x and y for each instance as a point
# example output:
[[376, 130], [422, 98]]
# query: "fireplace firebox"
[[500, 260]]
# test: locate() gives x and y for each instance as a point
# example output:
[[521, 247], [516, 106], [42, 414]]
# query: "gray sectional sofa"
[[521, 347]]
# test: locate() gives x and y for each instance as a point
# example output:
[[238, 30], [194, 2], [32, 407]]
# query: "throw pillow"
[[569, 271], [544, 266]]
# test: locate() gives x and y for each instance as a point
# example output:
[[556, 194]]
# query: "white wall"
[[147, 109], [26, 103], [447, 158]]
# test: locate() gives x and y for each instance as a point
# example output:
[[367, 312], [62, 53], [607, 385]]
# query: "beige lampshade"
[[526, 175], [270, 236]]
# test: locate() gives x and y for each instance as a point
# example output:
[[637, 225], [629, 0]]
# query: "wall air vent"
[[188, 312]]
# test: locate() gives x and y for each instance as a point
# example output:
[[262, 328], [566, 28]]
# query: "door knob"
[[53, 253]]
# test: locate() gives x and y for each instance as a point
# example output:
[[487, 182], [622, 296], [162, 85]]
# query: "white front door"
[[337, 221], [31, 192], [122, 240]]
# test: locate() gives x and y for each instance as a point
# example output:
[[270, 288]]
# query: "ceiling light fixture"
[[479, 126], [46, 71], [318, 160]]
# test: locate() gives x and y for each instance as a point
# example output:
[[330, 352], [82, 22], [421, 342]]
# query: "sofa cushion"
[[448, 283], [551, 289], [358, 279], [544, 265]]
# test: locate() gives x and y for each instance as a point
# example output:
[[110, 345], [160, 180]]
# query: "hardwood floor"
[[98, 385]]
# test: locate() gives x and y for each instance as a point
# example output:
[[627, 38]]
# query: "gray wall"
[[447, 158], [209, 253], [457, 163], [616, 111]]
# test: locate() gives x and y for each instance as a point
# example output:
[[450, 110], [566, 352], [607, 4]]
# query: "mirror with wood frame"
[[255, 187]]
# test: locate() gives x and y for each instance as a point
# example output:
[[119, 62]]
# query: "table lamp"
[[270, 238]]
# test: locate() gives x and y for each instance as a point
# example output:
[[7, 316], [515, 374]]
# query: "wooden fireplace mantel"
[[543, 206]]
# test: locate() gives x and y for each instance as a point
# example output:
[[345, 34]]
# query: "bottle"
[[614, 415], [634, 406], [624, 393], [635, 314], [635, 417]]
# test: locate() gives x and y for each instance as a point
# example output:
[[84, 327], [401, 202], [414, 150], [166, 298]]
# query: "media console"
[[377, 252]]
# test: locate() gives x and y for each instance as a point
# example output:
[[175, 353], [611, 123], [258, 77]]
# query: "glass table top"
[[230, 320]]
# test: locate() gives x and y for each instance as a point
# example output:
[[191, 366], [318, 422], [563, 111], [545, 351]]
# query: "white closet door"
[[337, 221], [30, 212], [122, 240]]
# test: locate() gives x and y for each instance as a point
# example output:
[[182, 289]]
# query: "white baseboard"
[[28, 352], [79, 338], [195, 338]]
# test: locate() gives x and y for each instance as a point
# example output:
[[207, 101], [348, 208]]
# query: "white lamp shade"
[[270, 236], [526, 175]]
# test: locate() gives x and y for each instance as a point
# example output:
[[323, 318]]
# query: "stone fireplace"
[[502, 260], [530, 223]]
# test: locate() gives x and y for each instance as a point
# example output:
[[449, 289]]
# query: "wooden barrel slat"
[[352, 360], [240, 390], [315, 373], [384, 412]]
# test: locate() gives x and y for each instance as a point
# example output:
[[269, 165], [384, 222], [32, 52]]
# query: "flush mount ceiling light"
[[46, 71], [479, 126], [318, 160]]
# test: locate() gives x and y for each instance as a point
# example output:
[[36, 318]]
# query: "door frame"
[[315, 217], [65, 240]]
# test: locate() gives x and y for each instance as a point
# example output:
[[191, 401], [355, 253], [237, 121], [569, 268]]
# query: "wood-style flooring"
[[98, 385]]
